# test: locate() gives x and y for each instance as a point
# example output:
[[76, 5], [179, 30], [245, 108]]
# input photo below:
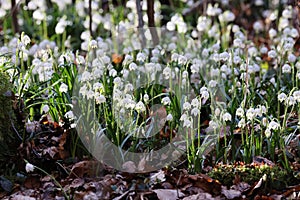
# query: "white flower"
[[141, 57], [212, 83], [146, 97], [195, 102], [292, 58], [242, 123], [187, 123], [29, 167], [169, 117], [224, 56], [93, 44], [250, 114], [213, 124], [63, 88], [272, 33], [45, 109], [166, 101], [240, 112], [195, 111], [70, 115], [264, 121], [273, 125], [268, 133], [99, 98], [183, 117], [182, 60], [286, 68], [204, 95], [281, 97], [226, 117], [296, 95], [132, 66], [25, 39], [272, 54], [140, 107], [227, 16], [258, 26], [290, 101], [167, 72], [186, 106], [217, 112]]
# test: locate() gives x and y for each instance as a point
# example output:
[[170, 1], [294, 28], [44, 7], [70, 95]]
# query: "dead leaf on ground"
[[87, 168], [201, 196], [167, 194], [231, 194]]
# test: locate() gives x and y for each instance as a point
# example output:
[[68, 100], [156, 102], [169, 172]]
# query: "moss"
[[276, 176]]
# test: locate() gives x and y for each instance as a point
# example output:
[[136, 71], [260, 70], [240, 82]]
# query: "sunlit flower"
[[240, 112], [140, 107], [70, 115], [272, 54], [45, 108], [290, 101], [242, 123], [166, 101], [29, 167], [250, 114], [63, 88], [169, 117], [226, 117], [195, 112], [186, 106], [273, 125], [282, 97], [296, 95], [286, 68]]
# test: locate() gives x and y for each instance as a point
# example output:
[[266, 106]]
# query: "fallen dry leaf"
[[167, 194], [231, 194], [200, 196]]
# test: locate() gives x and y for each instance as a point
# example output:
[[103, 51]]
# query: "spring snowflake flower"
[[282, 97], [286, 69], [227, 16], [140, 107], [141, 57], [292, 58], [268, 133], [250, 114], [187, 123], [227, 117], [195, 102], [63, 88], [183, 117], [166, 101], [272, 33], [273, 125], [70, 115], [93, 44], [204, 96], [242, 123], [296, 95], [213, 124], [290, 101], [29, 167], [240, 112], [186, 106], [169, 117], [272, 54], [45, 109], [167, 72], [258, 26], [99, 98], [212, 83], [195, 112]]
